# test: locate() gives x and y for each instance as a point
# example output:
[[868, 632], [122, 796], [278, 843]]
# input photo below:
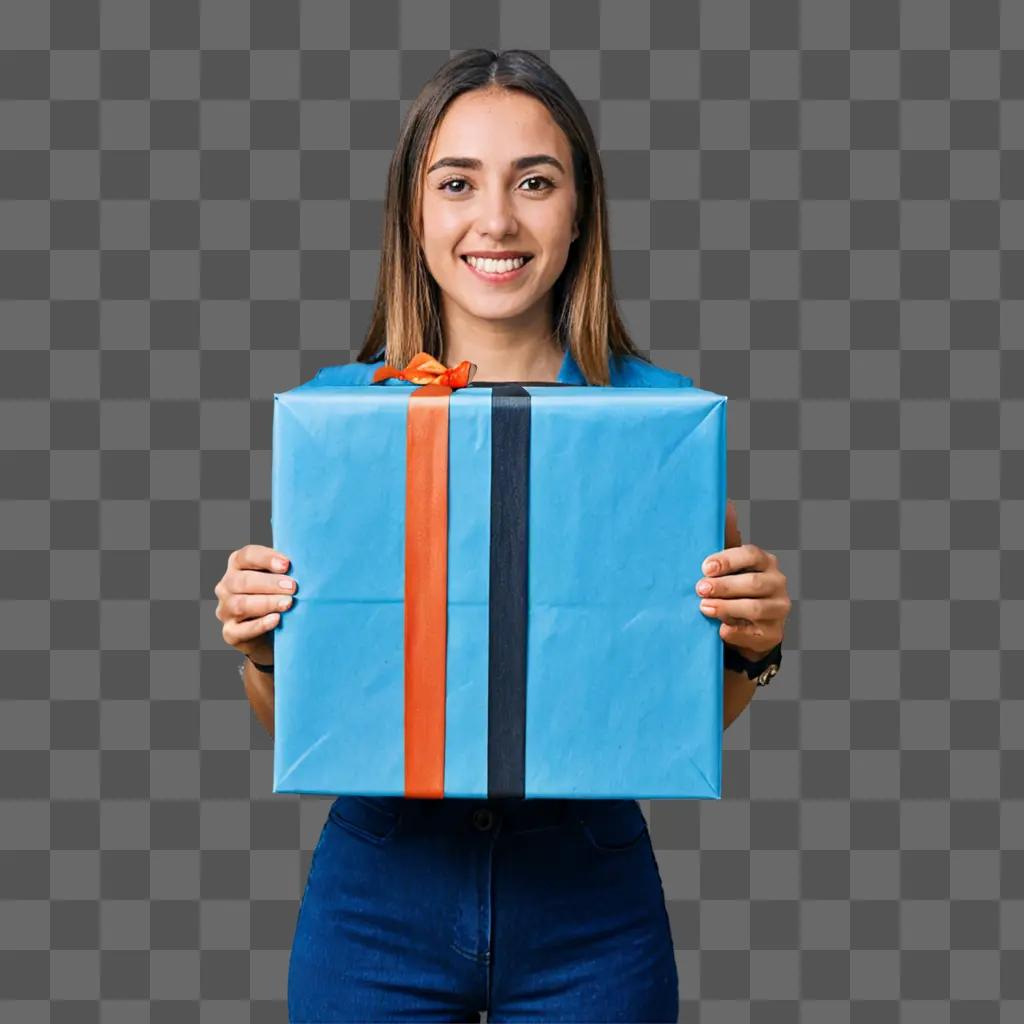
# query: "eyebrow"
[[472, 164]]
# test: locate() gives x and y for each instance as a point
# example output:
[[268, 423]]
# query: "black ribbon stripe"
[[510, 513], [508, 599]]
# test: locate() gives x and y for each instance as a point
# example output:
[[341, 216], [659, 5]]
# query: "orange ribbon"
[[426, 589], [426, 565], [425, 369]]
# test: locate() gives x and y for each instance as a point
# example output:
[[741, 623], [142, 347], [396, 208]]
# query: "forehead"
[[497, 125]]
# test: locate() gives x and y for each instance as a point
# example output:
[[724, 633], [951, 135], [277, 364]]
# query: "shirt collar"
[[570, 373]]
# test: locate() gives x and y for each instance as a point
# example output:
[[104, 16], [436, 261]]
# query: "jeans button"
[[483, 818]]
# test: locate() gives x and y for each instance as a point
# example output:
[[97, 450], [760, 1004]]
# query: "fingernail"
[[285, 584], [280, 564], [703, 587], [706, 608], [710, 566]]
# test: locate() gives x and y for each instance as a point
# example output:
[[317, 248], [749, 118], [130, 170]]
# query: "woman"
[[536, 909]]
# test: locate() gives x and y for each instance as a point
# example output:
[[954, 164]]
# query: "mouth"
[[497, 277]]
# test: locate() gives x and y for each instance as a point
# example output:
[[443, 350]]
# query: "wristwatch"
[[267, 669], [763, 670]]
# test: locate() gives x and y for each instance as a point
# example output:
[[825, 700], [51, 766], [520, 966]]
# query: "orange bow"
[[425, 369]]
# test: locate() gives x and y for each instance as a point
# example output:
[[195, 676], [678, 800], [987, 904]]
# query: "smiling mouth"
[[506, 275]]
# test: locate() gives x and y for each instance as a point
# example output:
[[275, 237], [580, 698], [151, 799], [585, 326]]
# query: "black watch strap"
[[762, 670], [267, 669]]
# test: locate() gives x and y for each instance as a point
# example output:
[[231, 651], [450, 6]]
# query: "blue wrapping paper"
[[626, 498]]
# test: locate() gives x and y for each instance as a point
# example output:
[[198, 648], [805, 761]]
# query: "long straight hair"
[[406, 312]]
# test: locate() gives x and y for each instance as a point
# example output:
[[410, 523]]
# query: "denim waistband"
[[516, 813]]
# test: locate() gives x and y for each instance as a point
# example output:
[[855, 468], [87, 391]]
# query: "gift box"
[[496, 590]]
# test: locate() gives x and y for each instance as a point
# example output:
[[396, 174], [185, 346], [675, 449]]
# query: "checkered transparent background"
[[817, 209]]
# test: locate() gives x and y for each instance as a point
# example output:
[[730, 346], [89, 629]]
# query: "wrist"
[[749, 652], [762, 667], [267, 668]]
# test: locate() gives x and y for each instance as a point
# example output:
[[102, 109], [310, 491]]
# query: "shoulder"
[[633, 372], [345, 374]]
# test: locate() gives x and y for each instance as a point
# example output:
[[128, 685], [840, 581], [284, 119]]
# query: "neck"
[[503, 350], [526, 363]]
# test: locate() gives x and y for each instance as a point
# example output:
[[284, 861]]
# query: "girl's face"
[[498, 180]]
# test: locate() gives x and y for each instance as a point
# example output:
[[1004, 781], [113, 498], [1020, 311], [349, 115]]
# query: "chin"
[[494, 311]]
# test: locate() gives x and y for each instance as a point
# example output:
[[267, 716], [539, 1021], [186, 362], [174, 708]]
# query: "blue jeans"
[[539, 910]]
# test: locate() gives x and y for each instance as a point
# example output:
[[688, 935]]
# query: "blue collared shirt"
[[625, 372]]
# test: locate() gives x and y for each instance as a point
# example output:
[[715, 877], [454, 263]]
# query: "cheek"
[[556, 255], [441, 234], [439, 215]]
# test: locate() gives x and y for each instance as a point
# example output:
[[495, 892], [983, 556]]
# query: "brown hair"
[[406, 315]]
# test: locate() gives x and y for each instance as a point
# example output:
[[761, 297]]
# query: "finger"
[[268, 583], [754, 609], [733, 621], [747, 634], [256, 606], [249, 629], [258, 556], [746, 556], [249, 581], [741, 584]]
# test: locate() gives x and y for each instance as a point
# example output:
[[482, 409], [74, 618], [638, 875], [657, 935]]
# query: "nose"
[[497, 218]]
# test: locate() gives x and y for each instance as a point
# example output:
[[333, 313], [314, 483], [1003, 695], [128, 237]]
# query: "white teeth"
[[495, 266]]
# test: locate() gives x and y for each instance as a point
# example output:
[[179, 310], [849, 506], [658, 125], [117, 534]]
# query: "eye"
[[443, 187], [539, 177], [452, 181]]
